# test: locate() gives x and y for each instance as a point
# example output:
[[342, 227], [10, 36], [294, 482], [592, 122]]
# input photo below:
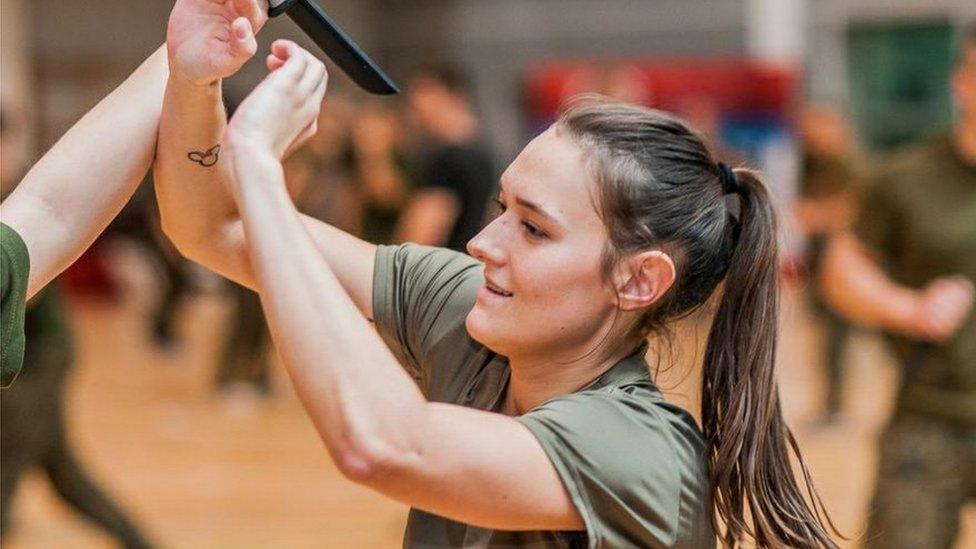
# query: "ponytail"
[[660, 188], [753, 487]]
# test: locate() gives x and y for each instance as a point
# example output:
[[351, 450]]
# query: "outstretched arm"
[[376, 424], [79, 186], [858, 288]]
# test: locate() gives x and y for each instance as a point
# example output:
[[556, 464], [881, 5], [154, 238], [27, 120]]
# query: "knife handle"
[[278, 7], [336, 44]]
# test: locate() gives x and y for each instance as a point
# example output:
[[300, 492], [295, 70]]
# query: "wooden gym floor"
[[200, 470]]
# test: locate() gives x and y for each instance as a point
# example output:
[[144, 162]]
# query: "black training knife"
[[336, 44]]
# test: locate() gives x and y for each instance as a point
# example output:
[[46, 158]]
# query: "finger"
[[314, 73], [274, 62], [284, 48], [309, 110], [312, 107], [319, 94], [295, 62], [253, 11], [243, 45], [318, 78]]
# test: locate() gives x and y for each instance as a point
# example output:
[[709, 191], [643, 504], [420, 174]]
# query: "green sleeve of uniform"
[[422, 295], [619, 464], [14, 268], [879, 224]]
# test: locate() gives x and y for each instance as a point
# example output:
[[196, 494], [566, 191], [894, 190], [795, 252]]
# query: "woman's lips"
[[495, 289], [492, 292]]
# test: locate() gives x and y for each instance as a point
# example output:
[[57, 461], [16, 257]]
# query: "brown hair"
[[659, 188]]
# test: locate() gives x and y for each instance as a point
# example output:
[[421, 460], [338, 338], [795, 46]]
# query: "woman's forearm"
[[191, 176], [82, 182], [365, 407]]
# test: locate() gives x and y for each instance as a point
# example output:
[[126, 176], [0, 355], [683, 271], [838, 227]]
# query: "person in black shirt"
[[457, 174]]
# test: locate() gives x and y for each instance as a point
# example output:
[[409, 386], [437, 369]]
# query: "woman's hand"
[[207, 40], [283, 109]]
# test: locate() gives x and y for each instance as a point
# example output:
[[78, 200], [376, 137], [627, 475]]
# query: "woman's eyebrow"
[[537, 209], [529, 205]]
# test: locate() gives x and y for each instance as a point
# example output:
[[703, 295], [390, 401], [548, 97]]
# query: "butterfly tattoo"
[[207, 158]]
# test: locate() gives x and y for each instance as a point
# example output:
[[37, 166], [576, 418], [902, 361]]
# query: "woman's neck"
[[536, 380]]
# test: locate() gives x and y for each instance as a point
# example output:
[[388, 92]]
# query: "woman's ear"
[[644, 279]]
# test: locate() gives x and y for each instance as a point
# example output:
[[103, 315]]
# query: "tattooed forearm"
[[205, 158]]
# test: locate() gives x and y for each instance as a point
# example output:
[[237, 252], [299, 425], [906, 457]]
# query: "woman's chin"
[[483, 329]]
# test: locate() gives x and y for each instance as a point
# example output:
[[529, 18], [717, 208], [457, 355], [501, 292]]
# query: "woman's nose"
[[485, 245]]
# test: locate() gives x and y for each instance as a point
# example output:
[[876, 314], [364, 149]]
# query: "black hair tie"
[[729, 183]]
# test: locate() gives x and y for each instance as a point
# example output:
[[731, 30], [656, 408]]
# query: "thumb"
[[243, 45]]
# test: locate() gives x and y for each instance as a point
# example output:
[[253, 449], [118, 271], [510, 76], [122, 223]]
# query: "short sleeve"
[[618, 461], [880, 223], [14, 269], [421, 298]]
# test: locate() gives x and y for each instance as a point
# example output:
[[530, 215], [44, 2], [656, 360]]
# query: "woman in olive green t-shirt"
[[523, 414]]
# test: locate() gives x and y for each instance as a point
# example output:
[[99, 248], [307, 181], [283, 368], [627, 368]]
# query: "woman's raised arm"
[[191, 170]]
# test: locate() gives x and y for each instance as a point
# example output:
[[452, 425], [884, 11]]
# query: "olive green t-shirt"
[[825, 176], [14, 268], [919, 216], [633, 464]]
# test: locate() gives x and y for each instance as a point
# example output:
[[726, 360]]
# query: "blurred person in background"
[[825, 206], [908, 267], [319, 173], [456, 176], [380, 171], [139, 222], [33, 425], [244, 364]]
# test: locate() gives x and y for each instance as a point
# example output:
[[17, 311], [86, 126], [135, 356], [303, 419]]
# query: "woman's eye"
[[529, 228], [533, 230]]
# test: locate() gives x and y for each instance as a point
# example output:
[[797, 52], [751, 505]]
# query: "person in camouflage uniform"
[[33, 427], [909, 267]]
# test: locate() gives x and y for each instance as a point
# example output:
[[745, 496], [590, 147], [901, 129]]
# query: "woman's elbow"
[[185, 243], [373, 462], [357, 467]]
